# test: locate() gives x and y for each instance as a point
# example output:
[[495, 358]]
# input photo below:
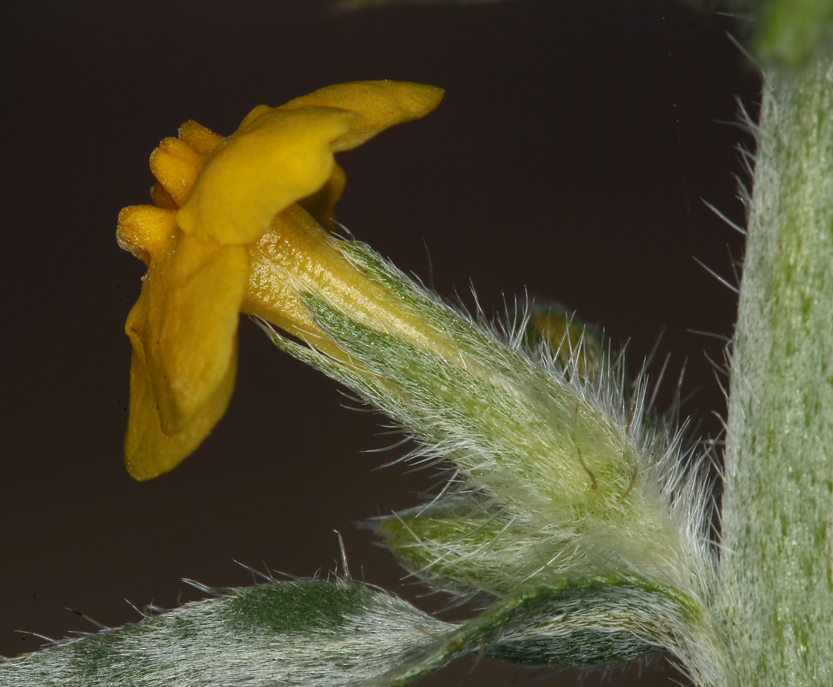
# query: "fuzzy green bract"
[[557, 473]]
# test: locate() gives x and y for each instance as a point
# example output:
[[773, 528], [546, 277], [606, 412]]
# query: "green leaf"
[[311, 633], [580, 622]]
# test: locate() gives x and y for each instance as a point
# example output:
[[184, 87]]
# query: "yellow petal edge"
[[214, 200]]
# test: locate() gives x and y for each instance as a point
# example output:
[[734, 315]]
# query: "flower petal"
[[161, 198], [148, 452], [275, 160], [145, 230], [321, 204], [201, 139], [381, 104], [194, 293], [176, 165]]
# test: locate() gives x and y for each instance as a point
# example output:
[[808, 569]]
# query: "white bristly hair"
[[559, 472]]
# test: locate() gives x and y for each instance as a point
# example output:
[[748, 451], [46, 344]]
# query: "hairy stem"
[[777, 576]]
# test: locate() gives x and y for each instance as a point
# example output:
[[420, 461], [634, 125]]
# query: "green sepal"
[[575, 623], [472, 546]]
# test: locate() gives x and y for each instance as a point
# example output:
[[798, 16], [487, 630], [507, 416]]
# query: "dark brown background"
[[570, 155]]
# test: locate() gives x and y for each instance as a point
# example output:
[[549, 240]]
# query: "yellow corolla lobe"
[[214, 202], [153, 446], [381, 104], [177, 162], [281, 157], [146, 230]]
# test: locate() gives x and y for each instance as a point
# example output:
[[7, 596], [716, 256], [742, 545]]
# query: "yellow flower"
[[230, 216]]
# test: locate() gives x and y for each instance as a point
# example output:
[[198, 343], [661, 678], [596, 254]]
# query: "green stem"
[[778, 503]]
